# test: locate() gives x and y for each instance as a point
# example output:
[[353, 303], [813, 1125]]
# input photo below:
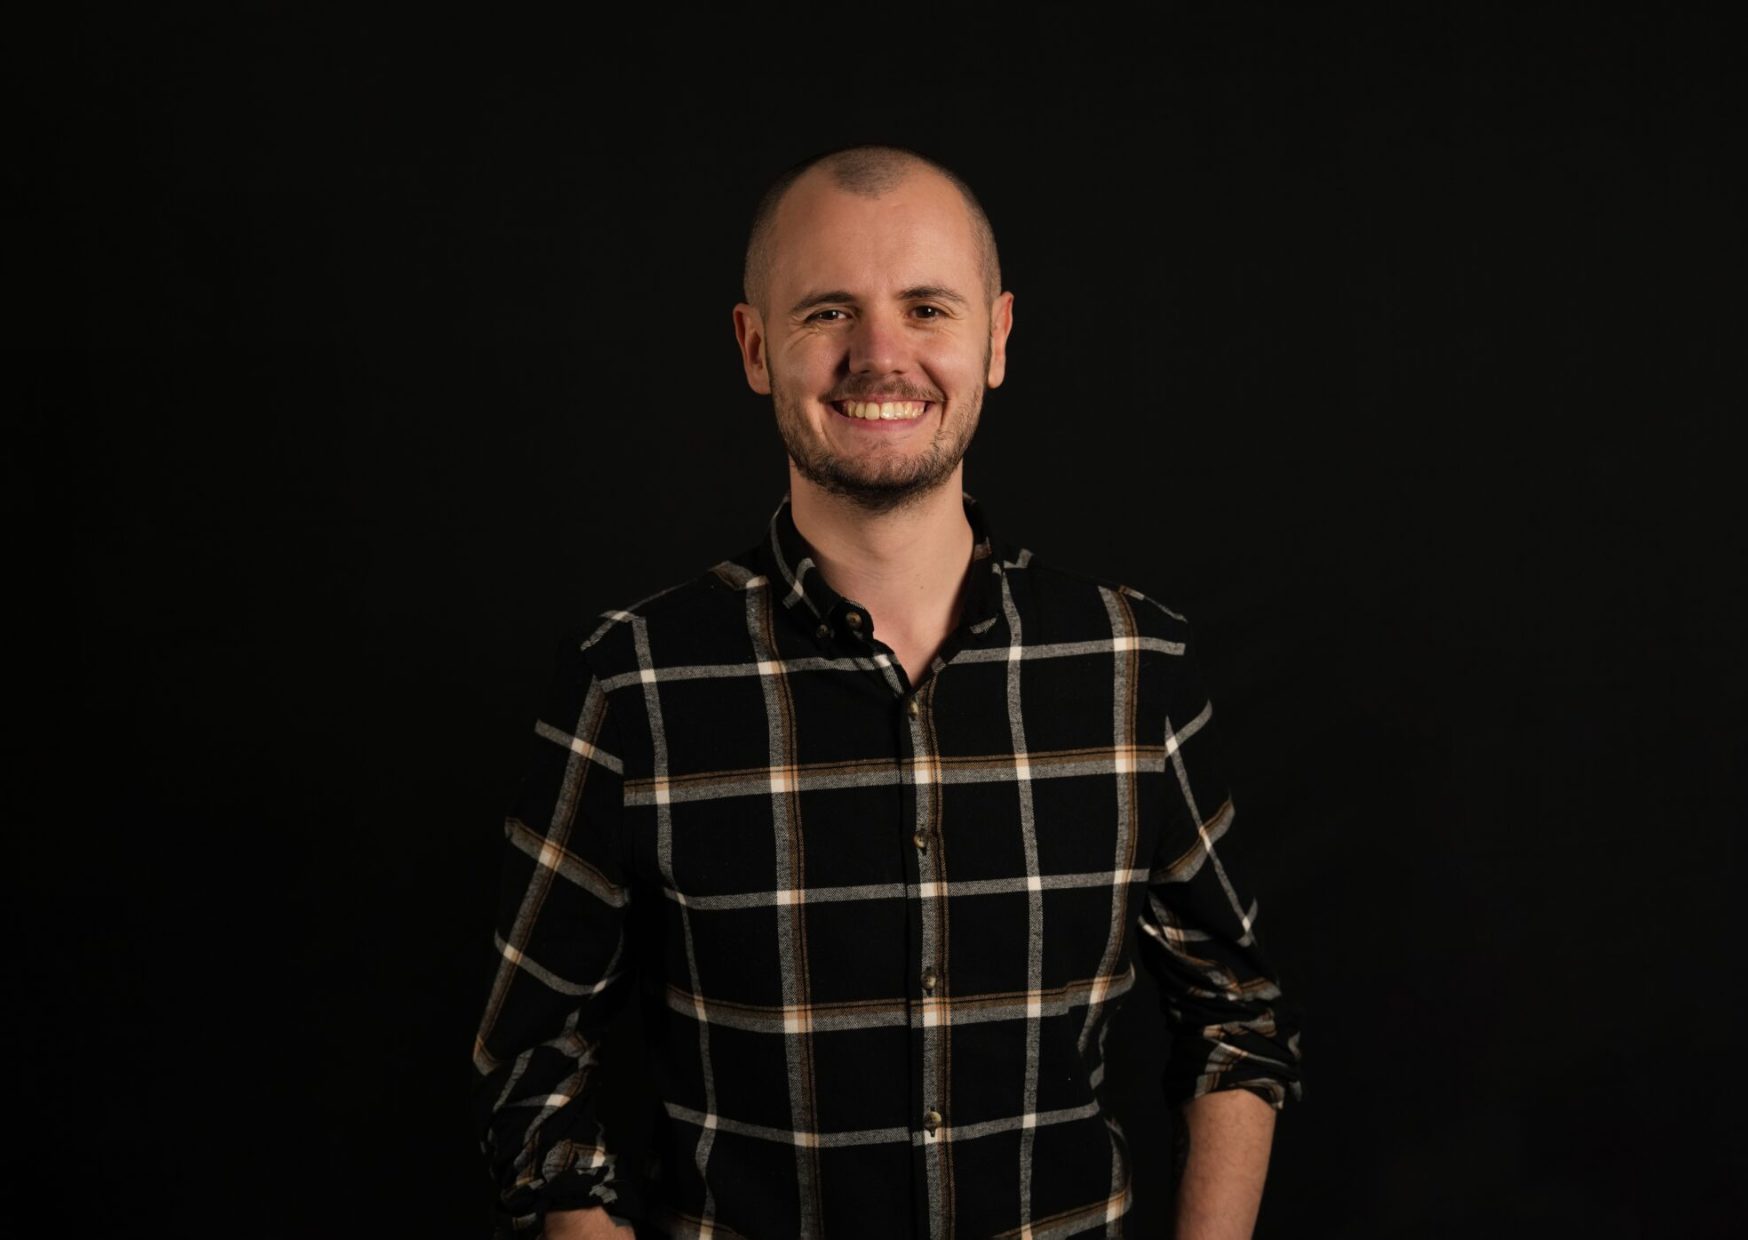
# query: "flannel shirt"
[[879, 929]]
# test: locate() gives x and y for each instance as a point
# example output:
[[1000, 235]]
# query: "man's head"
[[872, 278]]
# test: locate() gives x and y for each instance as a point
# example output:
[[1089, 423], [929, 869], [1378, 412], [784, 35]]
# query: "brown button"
[[929, 980], [913, 708], [931, 1121], [824, 630], [921, 839], [853, 619]]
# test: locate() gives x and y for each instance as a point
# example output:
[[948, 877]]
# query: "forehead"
[[919, 231]]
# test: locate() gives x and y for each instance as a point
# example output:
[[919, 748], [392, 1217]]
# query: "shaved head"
[[868, 171]]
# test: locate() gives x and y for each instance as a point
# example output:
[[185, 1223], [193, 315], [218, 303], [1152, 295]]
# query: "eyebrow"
[[932, 292], [917, 292]]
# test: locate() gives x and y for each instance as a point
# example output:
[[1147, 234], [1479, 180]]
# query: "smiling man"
[[875, 818]]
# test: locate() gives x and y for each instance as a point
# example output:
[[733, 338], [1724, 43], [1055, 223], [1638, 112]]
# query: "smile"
[[882, 411]]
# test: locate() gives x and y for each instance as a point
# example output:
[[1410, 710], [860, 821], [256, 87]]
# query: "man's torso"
[[883, 927]]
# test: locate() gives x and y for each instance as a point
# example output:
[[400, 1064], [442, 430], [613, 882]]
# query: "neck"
[[907, 566]]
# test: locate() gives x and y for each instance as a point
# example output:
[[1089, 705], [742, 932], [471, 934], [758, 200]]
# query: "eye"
[[934, 312], [815, 316]]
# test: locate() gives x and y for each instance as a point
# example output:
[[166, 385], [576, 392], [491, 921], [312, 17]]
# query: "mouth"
[[881, 410]]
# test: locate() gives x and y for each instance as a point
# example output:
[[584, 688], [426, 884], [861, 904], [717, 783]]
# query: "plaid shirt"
[[880, 929]]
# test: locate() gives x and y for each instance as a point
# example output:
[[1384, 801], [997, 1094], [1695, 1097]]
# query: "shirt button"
[[824, 630], [929, 981], [853, 619], [921, 839], [913, 708], [931, 1121]]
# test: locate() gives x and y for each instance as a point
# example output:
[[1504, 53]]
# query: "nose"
[[877, 345]]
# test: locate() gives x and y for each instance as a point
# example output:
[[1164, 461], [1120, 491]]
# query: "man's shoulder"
[[675, 624], [1066, 592]]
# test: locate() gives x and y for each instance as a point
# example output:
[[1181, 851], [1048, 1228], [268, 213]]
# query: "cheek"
[[793, 368], [813, 351], [955, 368]]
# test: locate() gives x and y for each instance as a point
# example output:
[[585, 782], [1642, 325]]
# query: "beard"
[[882, 485]]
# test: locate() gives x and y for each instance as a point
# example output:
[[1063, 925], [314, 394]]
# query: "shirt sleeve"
[[1232, 1027], [562, 966]]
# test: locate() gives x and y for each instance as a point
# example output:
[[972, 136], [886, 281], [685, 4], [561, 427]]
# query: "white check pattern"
[[879, 929]]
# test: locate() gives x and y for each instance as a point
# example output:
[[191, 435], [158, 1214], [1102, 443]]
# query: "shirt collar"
[[807, 596]]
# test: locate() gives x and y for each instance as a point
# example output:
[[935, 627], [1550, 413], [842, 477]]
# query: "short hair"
[[869, 170]]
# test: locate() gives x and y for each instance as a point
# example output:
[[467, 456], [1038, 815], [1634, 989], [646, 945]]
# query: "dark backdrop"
[[376, 351]]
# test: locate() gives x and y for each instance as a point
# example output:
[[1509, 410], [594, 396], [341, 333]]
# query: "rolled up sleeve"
[[1232, 1026], [562, 964]]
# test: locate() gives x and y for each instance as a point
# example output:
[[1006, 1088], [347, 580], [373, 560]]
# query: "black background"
[[374, 351]]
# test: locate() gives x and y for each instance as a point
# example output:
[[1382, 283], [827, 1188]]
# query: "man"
[[875, 816]]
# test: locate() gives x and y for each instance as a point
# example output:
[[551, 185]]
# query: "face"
[[877, 341]]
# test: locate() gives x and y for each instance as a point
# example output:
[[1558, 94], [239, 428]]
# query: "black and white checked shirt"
[[879, 929]]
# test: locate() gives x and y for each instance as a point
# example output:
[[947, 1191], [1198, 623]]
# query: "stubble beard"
[[887, 486]]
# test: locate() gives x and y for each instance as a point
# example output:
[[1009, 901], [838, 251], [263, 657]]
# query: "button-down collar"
[[823, 611]]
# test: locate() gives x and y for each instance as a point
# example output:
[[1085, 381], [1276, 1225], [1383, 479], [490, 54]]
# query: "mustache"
[[869, 392]]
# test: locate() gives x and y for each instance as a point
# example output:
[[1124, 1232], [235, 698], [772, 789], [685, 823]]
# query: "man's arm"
[[592, 1224], [1235, 1040], [1222, 1159], [563, 964]]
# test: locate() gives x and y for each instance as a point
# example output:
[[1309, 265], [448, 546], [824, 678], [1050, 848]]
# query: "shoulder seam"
[[1132, 592], [706, 582], [1024, 559]]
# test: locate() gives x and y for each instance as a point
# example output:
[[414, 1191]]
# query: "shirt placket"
[[918, 755]]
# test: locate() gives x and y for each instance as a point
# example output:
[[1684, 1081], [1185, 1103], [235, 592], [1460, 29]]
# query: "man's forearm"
[[592, 1224], [1224, 1157]]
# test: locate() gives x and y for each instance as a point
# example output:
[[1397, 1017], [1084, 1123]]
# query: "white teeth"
[[889, 411]]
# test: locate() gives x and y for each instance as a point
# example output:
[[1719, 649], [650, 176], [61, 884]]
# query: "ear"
[[1001, 322], [749, 330]]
